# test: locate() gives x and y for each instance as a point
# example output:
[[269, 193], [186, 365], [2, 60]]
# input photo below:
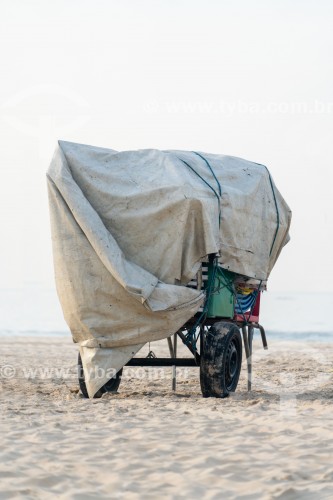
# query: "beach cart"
[[151, 245]]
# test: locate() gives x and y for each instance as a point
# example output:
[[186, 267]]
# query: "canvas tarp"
[[129, 230]]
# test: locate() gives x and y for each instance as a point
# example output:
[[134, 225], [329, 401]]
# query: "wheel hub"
[[231, 364]]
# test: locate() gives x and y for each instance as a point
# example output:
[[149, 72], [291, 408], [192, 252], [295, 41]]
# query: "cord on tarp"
[[218, 196], [276, 208], [211, 169]]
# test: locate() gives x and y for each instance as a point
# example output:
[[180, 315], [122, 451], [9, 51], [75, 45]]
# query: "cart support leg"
[[263, 336], [250, 330], [247, 338], [174, 368], [246, 342]]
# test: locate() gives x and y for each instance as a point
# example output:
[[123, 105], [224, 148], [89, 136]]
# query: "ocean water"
[[36, 311]]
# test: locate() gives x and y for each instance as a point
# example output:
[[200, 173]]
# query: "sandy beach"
[[149, 442]]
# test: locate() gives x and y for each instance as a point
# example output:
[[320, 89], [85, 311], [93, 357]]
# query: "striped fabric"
[[245, 303]]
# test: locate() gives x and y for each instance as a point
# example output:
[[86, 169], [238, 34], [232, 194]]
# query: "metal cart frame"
[[247, 322]]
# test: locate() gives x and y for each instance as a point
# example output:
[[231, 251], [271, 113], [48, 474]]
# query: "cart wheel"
[[221, 360], [111, 386]]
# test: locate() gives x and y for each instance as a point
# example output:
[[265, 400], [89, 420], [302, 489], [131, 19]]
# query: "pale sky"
[[252, 79]]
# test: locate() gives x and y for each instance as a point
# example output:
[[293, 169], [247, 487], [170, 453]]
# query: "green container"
[[221, 302]]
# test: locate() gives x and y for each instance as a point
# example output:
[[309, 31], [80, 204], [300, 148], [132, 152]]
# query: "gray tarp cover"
[[129, 230]]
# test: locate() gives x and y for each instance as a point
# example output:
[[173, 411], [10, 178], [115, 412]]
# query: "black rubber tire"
[[221, 360], [111, 386]]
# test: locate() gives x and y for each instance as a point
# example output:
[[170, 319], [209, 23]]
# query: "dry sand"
[[148, 442]]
